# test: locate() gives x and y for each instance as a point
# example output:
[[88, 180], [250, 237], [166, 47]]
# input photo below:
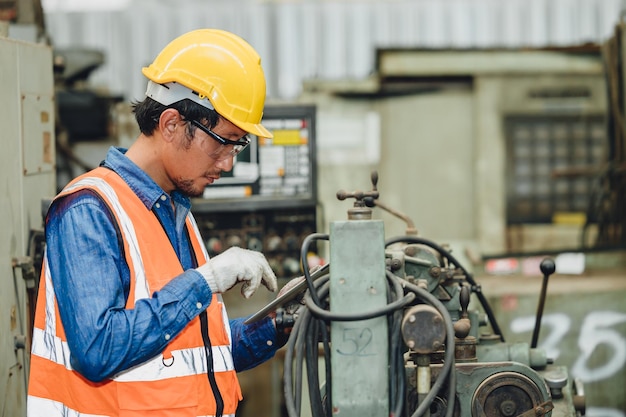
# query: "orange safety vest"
[[173, 383]]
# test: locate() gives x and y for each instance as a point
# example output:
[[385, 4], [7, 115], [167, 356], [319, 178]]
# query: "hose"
[[311, 329], [468, 277]]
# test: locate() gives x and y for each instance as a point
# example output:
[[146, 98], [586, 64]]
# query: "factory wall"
[[299, 40], [442, 156], [412, 140], [338, 41]]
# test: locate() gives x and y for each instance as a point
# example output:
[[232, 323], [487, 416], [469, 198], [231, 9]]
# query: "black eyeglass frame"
[[239, 145]]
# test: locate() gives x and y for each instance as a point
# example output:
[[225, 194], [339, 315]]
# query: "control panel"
[[278, 233], [268, 202]]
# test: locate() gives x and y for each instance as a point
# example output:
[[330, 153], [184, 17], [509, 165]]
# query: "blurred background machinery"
[[27, 166], [606, 207]]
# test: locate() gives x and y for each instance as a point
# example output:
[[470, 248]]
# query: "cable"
[[388, 309], [312, 330], [304, 250], [483, 301], [322, 330], [204, 330], [304, 338]]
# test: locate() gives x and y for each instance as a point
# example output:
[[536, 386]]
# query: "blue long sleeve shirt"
[[92, 282]]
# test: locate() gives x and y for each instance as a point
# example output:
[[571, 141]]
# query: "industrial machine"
[[390, 327], [27, 163]]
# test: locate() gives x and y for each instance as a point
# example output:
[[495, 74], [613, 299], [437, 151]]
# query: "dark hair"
[[148, 112]]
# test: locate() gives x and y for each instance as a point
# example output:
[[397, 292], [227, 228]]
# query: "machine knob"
[[556, 381], [363, 198], [547, 266], [463, 326], [214, 245], [274, 243], [291, 266], [255, 243], [19, 341], [423, 329], [233, 240]]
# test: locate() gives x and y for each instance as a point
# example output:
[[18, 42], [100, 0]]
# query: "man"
[[129, 318]]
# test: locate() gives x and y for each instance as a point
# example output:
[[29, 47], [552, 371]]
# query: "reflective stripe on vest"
[[184, 362], [126, 226], [46, 408]]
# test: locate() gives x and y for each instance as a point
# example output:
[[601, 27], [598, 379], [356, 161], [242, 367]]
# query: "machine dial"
[[505, 394]]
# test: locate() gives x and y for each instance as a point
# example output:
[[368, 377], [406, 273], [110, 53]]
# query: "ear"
[[168, 122]]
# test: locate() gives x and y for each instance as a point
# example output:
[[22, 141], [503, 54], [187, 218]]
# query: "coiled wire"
[[311, 330]]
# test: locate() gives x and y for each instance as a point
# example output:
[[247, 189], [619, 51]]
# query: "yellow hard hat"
[[216, 69]]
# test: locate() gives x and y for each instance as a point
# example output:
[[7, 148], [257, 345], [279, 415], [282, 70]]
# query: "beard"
[[188, 188]]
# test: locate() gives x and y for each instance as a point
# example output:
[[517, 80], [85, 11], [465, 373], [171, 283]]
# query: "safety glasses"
[[223, 152]]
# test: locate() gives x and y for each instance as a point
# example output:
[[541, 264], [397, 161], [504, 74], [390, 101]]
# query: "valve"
[[370, 199], [363, 198], [463, 326], [363, 201]]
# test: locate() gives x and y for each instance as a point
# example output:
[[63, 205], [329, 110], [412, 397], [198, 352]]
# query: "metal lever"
[[539, 410], [372, 200], [363, 198], [547, 267]]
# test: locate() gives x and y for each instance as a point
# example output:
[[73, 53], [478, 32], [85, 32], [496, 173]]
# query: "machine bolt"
[[508, 408], [411, 344], [412, 318], [19, 341], [436, 345], [411, 250], [434, 271], [395, 264]]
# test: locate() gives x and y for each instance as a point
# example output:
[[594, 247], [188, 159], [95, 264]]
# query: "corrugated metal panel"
[[329, 39]]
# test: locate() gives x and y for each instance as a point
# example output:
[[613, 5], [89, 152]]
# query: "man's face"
[[199, 161]]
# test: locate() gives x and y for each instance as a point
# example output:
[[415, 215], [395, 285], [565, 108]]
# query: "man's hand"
[[234, 265], [292, 307], [285, 317]]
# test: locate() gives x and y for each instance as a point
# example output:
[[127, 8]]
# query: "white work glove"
[[234, 265]]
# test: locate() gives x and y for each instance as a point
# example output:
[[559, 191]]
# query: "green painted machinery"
[[388, 331]]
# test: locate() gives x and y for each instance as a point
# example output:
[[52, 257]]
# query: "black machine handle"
[[547, 267]]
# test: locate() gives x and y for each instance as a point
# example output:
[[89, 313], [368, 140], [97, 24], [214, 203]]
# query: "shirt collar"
[[142, 185]]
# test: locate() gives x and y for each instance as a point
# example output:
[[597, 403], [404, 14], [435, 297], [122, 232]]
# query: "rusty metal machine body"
[[422, 351]]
